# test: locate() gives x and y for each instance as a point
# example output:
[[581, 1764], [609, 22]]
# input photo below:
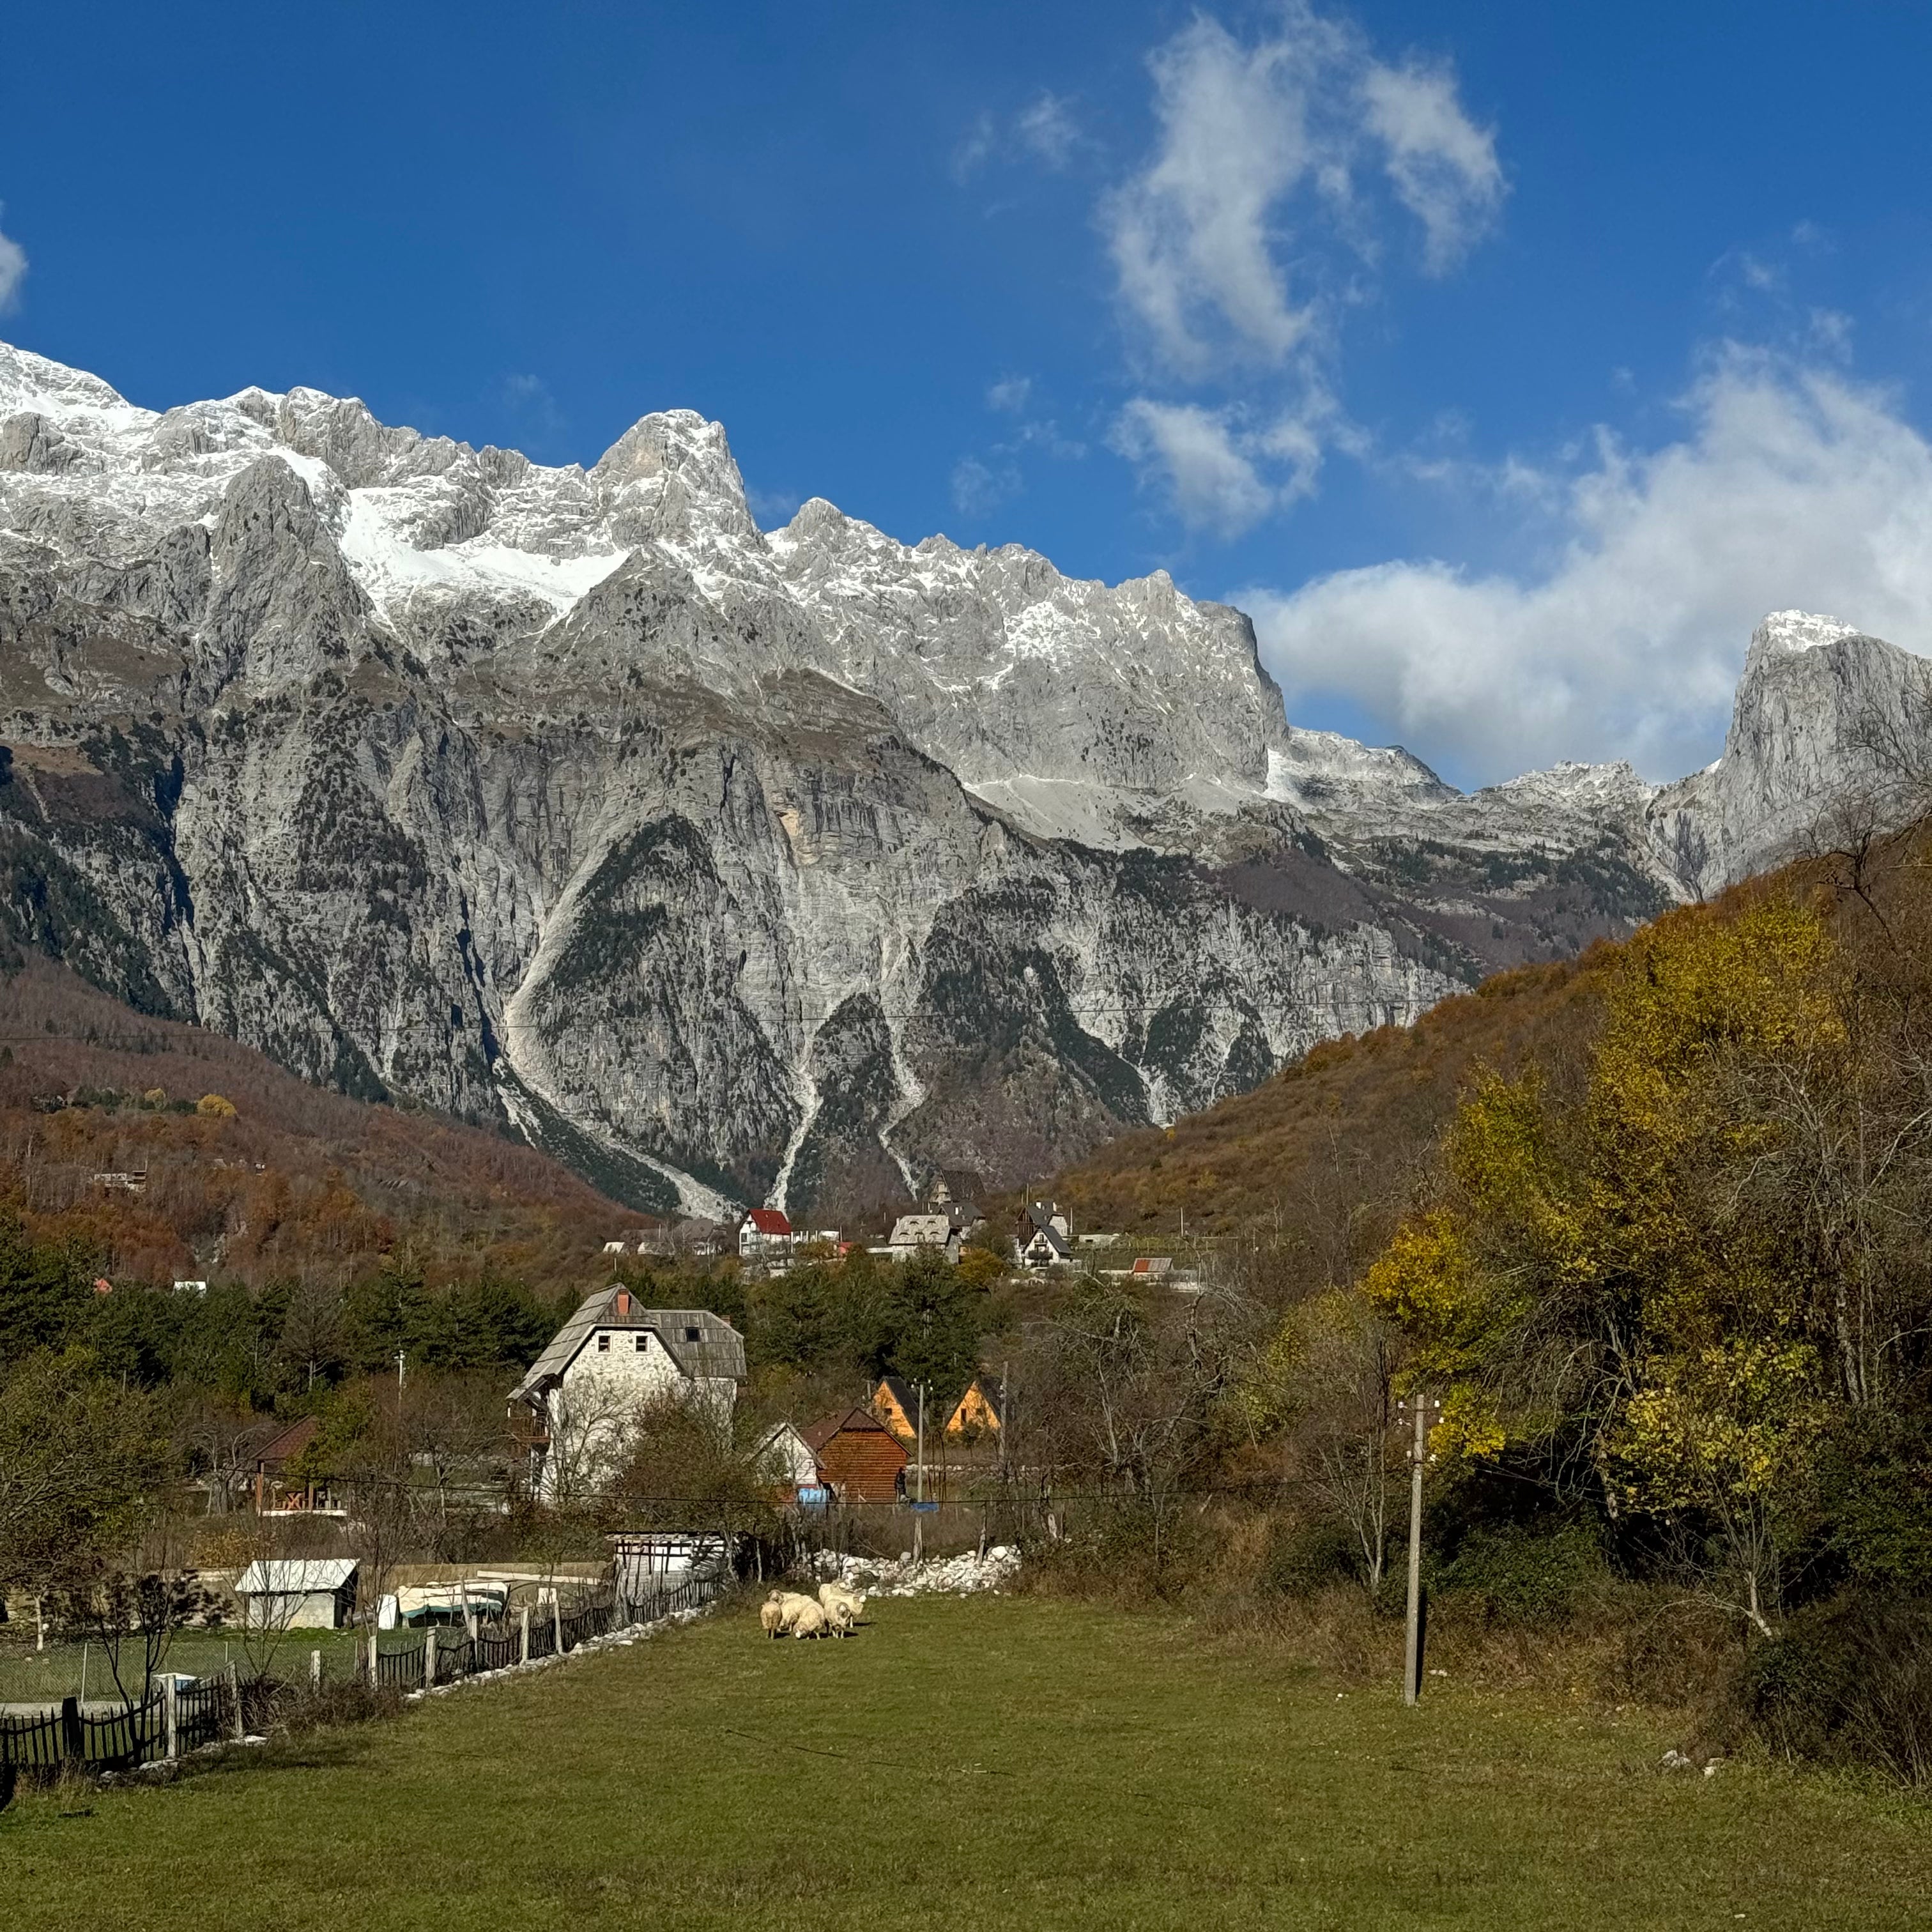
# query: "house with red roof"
[[764, 1235]]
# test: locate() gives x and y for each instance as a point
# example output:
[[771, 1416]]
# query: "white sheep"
[[831, 1596], [809, 1620], [840, 1617], [772, 1616], [791, 1607]]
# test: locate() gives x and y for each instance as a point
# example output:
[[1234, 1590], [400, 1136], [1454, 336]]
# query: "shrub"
[[270, 1704], [214, 1107], [1849, 1682], [1304, 1558], [1125, 1546], [1522, 1576]]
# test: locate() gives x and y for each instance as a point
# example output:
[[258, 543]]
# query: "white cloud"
[[1048, 129], [1215, 485], [1261, 151], [979, 489], [1250, 232], [1194, 235], [771, 509], [1010, 394], [1045, 131], [1792, 486], [975, 146], [533, 407], [13, 268], [1444, 168]]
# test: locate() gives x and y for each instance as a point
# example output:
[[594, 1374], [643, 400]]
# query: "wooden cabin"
[[896, 1402], [271, 1462], [859, 1455], [978, 1412]]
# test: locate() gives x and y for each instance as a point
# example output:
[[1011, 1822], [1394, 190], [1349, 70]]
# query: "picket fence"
[[168, 1722], [173, 1720]]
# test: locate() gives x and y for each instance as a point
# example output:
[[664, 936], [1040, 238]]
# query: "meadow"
[[65, 1669], [985, 1762]]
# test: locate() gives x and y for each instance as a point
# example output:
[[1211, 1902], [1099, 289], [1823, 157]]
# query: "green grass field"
[[991, 1763], [28, 1675]]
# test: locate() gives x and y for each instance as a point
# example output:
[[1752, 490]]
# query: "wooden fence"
[[168, 1721]]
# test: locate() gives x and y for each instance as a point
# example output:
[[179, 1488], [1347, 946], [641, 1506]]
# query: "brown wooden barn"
[[859, 1457]]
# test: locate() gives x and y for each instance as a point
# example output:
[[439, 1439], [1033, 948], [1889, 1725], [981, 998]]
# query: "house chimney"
[[623, 1301]]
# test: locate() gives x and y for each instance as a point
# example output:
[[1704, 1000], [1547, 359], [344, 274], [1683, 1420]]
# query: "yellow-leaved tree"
[[1603, 1281]]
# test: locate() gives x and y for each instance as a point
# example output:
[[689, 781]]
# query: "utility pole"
[[1422, 1407], [919, 1514]]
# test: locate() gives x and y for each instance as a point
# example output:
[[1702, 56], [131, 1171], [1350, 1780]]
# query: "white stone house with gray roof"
[[612, 1358]]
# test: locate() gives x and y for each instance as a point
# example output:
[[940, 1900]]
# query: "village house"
[[787, 1462], [859, 1457], [912, 1232], [1049, 1241], [765, 1236], [963, 1214], [1158, 1270], [701, 1239], [613, 1358], [275, 1492]]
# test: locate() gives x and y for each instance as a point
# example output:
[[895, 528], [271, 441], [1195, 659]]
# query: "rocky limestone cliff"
[[728, 865], [1827, 722]]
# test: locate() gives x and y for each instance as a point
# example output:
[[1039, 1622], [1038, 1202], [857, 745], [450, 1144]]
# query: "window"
[[693, 1334], [640, 1343], [603, 1345]]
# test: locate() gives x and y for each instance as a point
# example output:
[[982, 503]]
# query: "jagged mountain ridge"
[[727, 866]]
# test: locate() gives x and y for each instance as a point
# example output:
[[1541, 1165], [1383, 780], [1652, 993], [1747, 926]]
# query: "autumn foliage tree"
[[1671, 1278]]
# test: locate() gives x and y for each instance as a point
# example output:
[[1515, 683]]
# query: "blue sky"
[[1507, 361]]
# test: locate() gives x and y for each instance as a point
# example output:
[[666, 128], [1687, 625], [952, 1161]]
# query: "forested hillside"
[[249, 1175], [1307, 1153]]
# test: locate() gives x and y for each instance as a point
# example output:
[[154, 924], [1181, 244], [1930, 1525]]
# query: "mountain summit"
[[731, 864]]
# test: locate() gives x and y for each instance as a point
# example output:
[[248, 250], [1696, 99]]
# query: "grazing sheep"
[[840, 1617], [791, 1607], [771, 1615], [831, 1595], [810, 1620]]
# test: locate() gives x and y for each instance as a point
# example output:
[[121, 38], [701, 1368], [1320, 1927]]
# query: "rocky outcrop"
[[727, 866], [1827, 723]]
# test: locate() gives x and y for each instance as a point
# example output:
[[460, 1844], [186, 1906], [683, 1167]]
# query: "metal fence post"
[[524, 1637], [556, 1616], [171, 1707], [235, 1691], [374, 1676], [429, 1658], [315, 1670]]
